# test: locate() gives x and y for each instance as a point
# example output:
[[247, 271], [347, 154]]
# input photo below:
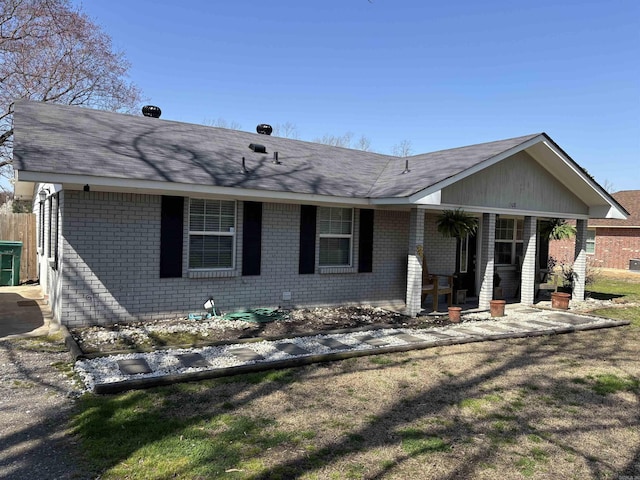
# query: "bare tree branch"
[[403, 149], [51, 51]]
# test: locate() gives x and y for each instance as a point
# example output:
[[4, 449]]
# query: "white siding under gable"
[[519, 183]]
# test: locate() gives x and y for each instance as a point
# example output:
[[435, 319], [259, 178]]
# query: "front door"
[[466, 264]]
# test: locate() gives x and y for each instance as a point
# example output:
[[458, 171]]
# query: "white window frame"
[[514, 241], [464, 254], [590, 241], [231, 233], [335, 235], [53, 208], [41, 228]]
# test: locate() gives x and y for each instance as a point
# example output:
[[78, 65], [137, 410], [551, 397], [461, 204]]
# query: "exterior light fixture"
[[42, 194]]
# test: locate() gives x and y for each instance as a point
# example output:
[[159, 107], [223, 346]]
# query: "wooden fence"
[[21, 227]]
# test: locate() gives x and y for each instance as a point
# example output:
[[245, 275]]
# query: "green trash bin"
[[10, 253]]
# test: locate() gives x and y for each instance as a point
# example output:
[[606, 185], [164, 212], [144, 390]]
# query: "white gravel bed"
[[137, 333], [105, 370]]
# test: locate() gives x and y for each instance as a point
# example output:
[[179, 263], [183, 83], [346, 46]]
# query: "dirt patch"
[[149, 335]]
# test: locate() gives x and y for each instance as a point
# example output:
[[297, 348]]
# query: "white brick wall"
[[440, 251], [111, 254]]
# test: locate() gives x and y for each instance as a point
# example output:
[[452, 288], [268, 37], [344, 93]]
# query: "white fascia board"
[[480, 210], [418, 197], [76, 182], [515, 212], [599, 211], [606, 211], [578, 171]]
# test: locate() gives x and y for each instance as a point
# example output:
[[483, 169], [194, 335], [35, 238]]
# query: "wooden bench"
[[435, 284]]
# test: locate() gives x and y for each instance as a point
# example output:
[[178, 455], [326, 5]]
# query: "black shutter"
[[365, 243], [307, 260], [171, 237], [251, 238]]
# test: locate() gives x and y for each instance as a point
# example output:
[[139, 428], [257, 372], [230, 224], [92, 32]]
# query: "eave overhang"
[[551, 157], [27, 181]]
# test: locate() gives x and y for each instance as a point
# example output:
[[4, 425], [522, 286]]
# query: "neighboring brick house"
[[611, 243], [141, 218]]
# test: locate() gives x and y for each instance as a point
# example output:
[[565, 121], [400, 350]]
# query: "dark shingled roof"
[[51, 138]]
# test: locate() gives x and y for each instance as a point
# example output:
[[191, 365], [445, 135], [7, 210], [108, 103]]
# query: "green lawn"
[[620, 291], [561, 406]]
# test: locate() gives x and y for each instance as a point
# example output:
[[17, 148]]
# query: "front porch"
[[504, 263]]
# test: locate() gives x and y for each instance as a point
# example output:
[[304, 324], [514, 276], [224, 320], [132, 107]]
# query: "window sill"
[[212, 273], [325, 270]]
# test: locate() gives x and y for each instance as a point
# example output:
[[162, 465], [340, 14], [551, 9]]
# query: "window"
[[52, 239], [508, 240], [336, 234], [591, 241], [212, 229], [464, 254], [41, 232]]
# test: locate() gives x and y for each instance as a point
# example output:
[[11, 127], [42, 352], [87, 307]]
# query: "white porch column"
[[528, 271], [580, 260], [487, 249], [414, 262]]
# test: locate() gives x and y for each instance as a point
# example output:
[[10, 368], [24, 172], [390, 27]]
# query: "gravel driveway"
[[36, 399]]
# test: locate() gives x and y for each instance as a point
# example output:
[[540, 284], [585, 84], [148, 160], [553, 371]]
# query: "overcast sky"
[[439, 74]]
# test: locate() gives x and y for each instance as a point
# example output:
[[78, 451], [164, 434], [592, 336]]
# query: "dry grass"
[[551, 407]]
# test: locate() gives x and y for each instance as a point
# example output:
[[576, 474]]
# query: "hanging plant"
[[456, 223], [557, 229]]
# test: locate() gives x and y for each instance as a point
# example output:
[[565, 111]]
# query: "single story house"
[[142, 218], [611, 242]]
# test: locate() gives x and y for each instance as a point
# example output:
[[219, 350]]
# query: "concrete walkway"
[[116, 373], [24, 312]]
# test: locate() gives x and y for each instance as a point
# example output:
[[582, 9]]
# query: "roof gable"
[[519, 183], [432, 168], [630, 200]]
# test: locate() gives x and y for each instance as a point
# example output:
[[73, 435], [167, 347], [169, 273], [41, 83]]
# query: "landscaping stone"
[[291, 349], [192, 360], [246, 354], [134, 366], [332, 343]]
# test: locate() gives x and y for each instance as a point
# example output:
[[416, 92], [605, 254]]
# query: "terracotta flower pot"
[[454, 314], [497, 308], [560, 300]]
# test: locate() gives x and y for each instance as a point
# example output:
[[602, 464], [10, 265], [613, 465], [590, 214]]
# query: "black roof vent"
[[256, 147], [151, 111], [264, 129]]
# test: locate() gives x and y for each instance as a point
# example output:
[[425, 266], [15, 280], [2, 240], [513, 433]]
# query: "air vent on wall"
[[256, 147]]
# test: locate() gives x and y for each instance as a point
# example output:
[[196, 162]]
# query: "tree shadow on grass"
[[604, 296], [536, 417]]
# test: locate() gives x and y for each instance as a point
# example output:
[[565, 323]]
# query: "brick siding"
[[110, 264], [614, 248]]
